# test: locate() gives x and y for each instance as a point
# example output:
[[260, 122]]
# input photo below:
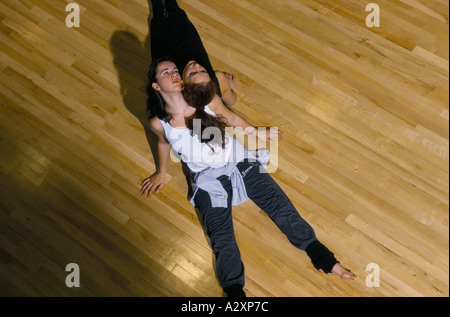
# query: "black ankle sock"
[[235, 291], [321, 257]]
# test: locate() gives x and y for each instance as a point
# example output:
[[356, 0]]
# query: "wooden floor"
[[365, 157]]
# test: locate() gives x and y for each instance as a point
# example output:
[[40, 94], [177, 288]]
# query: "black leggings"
[[265, 192], [174, 35]]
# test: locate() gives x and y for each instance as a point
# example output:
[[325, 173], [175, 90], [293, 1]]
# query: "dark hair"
[[198, 96], [156, 106]]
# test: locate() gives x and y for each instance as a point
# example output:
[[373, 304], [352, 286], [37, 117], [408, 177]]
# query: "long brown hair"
[[156, 105], [198, 96]]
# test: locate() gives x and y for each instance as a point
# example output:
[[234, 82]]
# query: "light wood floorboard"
[[365, 157]]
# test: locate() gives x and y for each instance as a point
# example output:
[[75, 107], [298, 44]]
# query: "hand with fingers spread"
[[153, 184]]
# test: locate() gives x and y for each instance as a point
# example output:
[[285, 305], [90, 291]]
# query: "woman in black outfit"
[[173, 34]]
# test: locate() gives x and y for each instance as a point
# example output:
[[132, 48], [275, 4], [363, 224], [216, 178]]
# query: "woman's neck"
[[175, 103]]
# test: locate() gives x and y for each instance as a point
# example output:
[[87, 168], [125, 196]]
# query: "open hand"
[[269, 134], [152, 184]]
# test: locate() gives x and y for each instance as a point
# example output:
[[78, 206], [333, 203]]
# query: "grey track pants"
[[218, 222]]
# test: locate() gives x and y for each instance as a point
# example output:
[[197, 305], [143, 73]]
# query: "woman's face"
[[168, 78], [195, 74]]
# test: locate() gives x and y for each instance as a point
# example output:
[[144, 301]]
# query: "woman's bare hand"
[[153, 184], [268, 135], [231, 80]]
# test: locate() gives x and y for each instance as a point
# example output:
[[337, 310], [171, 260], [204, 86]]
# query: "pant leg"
[[218, 225], [187, 42], [171, 5], [158, 8], [160, 32], [267, 195]]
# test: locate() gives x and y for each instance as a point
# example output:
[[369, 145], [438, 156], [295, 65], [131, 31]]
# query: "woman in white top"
[[216, 179]]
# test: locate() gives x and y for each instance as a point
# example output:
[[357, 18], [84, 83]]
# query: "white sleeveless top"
[[200, 156]]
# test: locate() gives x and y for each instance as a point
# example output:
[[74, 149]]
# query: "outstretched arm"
[[227, 87], [157, 181], [236, 121]]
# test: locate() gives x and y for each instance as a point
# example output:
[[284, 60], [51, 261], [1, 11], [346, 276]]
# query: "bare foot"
[[342, 272]]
